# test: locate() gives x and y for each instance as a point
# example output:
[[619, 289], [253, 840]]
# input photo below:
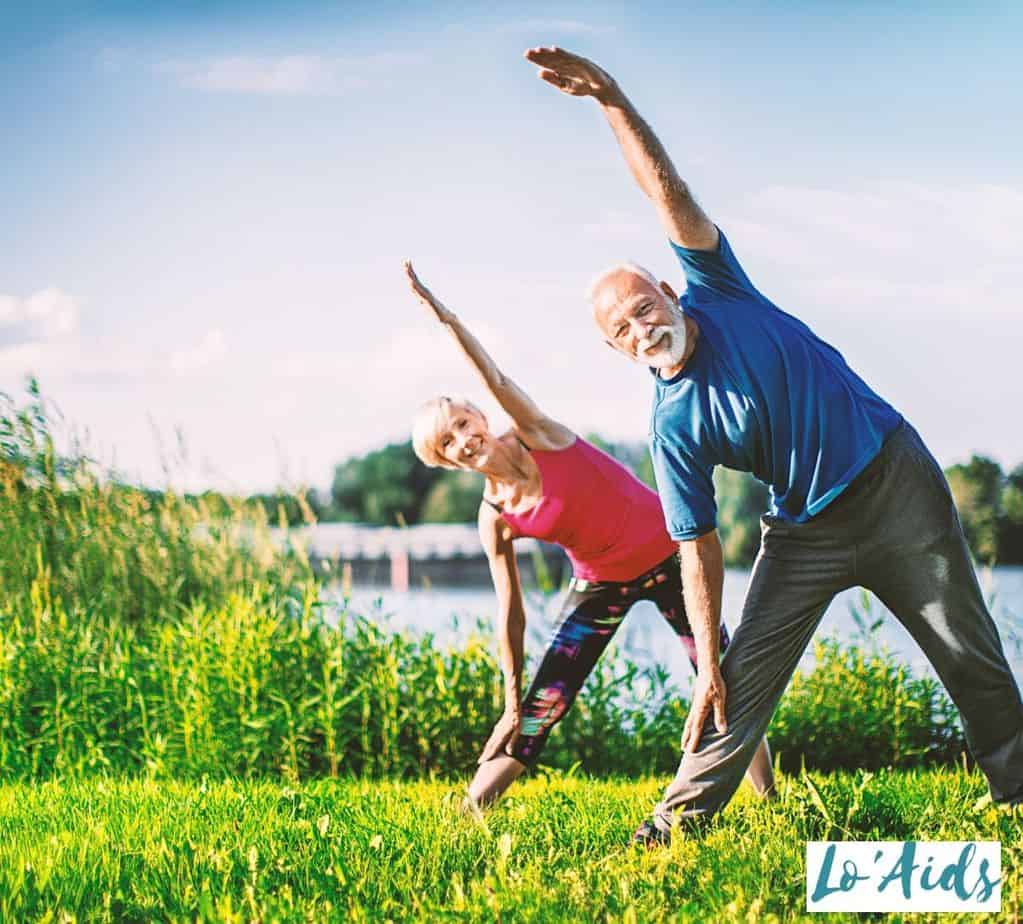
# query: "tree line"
[[389, 487]]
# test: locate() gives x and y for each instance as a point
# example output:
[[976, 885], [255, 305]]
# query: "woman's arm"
[[497, 543], [529, 420]]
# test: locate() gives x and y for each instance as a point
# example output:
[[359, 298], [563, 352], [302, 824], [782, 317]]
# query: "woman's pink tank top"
[[608, 521]]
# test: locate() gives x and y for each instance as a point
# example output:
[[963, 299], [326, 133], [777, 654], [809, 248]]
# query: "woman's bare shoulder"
[[546, 436]]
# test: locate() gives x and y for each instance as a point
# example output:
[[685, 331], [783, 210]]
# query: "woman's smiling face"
[[464, 440]]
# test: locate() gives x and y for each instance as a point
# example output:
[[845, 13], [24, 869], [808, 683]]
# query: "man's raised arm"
[[683, 219]]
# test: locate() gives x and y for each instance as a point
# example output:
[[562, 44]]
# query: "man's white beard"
[[669, 342]]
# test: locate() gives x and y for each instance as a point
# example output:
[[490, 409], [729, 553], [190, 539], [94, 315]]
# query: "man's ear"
[[669, 291]]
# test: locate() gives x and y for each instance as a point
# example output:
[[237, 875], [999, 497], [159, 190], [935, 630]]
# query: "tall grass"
[[251, 688], [163, 635], [72, 537]]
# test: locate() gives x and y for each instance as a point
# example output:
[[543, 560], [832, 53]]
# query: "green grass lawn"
[[555, 850]]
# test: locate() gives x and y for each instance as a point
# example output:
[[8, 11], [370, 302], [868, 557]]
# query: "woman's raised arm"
[[529, 420]]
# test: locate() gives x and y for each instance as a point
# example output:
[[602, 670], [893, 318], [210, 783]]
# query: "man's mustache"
[[656, 338]]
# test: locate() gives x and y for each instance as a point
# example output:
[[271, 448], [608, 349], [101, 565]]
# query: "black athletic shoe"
[[649, 835]]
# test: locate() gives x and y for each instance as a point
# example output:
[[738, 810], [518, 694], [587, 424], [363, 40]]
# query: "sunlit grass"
[[555, 850]]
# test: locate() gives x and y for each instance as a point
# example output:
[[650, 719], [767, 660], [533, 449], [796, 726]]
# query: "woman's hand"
[[427, 297], [502, 738]]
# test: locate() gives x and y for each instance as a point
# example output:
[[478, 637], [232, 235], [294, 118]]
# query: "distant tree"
[[977, 488], [454, 498], [1012, 495], [322, 504], [1010, 523], [213, 501], [383, 487], [645, 471], [741, 499]]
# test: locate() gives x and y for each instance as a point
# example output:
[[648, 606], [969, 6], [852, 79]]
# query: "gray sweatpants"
[[895, 531]]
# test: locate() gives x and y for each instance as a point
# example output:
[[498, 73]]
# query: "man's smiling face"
[[638, 319]]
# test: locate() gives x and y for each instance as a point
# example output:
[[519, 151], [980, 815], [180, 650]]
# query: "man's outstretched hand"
[[572, 74]]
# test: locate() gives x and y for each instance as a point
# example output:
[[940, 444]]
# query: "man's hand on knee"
[[708, 698]]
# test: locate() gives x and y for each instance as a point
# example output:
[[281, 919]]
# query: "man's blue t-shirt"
[[760, 393]]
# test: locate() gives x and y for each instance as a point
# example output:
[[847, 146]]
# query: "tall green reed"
[[113, 549], [254, 687]]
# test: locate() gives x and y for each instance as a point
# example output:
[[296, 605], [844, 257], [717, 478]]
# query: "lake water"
[[451, 615]]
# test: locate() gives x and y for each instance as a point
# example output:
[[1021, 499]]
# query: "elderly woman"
[[544, 481]]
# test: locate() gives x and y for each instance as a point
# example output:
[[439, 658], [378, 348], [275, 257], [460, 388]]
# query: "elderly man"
[[856, 497]]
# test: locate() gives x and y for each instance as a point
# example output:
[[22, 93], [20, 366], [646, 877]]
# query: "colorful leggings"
[[591, 614]]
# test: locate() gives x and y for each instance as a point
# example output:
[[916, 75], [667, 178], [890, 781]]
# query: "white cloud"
[[866, 218], [901, 216], [314, 75], [43, 317], [894, 246], [207, 352], [76, 362]]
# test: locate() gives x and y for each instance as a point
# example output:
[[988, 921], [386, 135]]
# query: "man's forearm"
[[643, 151], [703, 576], [655, 173]]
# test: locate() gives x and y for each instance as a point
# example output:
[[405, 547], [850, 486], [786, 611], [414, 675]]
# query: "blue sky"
[[206, 207]]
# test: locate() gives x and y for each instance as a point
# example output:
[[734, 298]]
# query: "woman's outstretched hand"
[[427, 297], [502, 738]]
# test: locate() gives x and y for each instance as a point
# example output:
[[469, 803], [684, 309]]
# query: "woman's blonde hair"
[[430, 419]]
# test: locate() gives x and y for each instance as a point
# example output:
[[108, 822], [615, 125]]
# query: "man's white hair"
[[601, 279]]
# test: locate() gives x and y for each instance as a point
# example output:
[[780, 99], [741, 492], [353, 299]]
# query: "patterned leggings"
[[591, 614]]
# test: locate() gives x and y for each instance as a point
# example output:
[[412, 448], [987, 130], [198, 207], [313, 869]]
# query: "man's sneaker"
[[983, 802], [649, 835], [1013, 806]]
